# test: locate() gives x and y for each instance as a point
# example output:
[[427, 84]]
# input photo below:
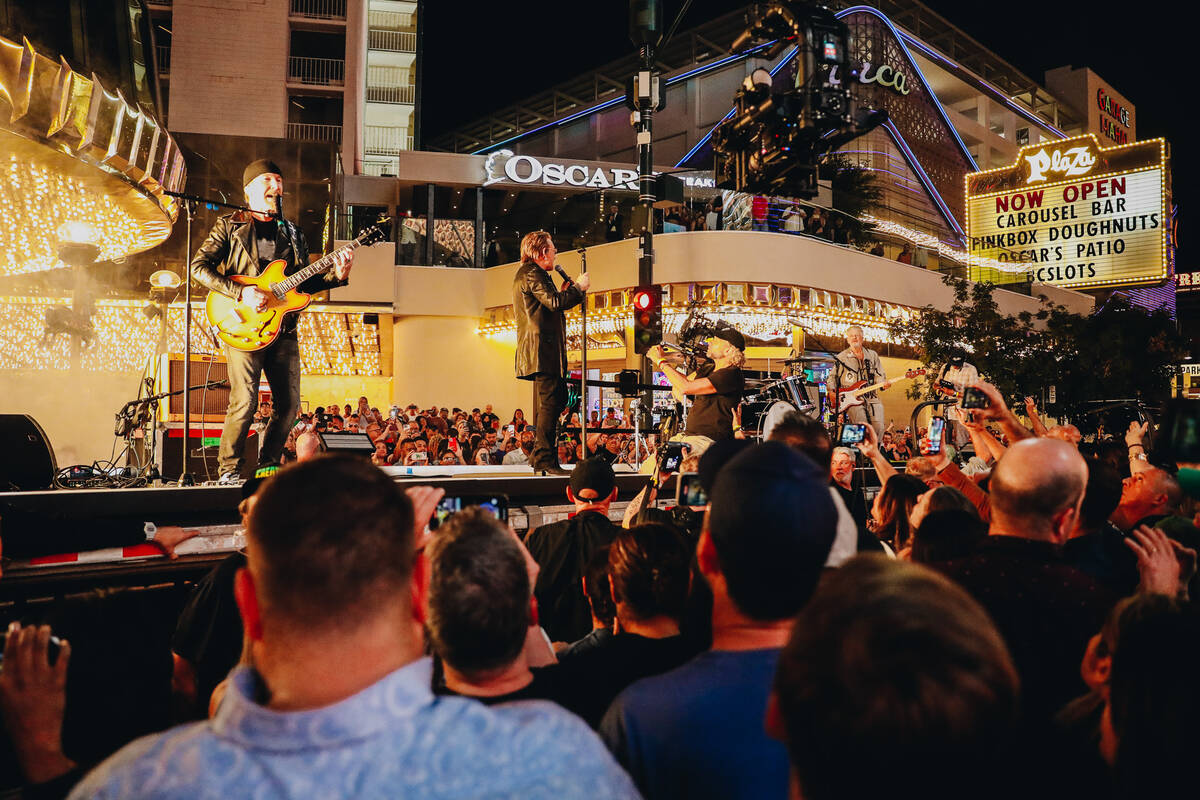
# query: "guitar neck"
[[322, 264]]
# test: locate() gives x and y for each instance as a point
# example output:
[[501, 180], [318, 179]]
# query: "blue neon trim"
[[617, 100], [912, 62], [915, 165]]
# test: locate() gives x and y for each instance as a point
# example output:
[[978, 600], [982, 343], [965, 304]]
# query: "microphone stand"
[[186, 478], [583, 341]]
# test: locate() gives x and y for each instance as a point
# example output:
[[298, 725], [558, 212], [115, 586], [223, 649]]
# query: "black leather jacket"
[[231, 249], [541, 324]]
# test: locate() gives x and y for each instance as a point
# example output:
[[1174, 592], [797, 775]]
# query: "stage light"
[[164, 279]]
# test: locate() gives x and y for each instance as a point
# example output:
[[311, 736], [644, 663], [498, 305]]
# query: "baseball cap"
[[260, 167], [595, 474], [772, 521], [732, 336]]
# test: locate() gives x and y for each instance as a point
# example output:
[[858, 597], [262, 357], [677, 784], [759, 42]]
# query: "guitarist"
[[860, 365], [244, 243]]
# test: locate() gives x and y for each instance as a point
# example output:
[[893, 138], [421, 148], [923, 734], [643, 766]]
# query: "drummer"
[[715, 389]]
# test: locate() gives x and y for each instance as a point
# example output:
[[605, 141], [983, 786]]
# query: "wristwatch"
[[150, 530], [1138, 457]]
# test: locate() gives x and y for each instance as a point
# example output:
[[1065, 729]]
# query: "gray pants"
[[281, 364], [858, 415]]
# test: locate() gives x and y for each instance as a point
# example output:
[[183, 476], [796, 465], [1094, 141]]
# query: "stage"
[[533, 501]]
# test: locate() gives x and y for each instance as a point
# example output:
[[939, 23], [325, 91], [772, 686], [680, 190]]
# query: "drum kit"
[[767, 402]]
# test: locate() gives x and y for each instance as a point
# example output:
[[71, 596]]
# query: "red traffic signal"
[[647, 318]]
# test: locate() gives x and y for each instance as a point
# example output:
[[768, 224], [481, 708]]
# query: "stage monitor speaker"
[[208, 405], [28, 461]]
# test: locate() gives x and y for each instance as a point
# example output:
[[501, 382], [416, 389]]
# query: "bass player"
[[244, 243], [860, 365]]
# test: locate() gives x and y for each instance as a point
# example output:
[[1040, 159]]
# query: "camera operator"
[[716, 388]]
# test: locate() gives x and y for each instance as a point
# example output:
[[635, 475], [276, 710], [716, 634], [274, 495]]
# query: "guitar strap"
[[291, 233]]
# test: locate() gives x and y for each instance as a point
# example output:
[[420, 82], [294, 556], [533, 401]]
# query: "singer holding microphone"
[[244, 243], [542, 340]]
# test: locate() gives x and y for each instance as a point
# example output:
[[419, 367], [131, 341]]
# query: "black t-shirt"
[[548, 684], [264, 236], [712, 414], [598, 674], [209, 631]]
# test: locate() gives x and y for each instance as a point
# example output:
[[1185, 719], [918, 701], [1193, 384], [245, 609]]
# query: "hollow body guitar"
[[247, 329]]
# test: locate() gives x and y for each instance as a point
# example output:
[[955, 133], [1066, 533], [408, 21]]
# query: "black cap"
[[595, 474], [260, 167], [732, 336]]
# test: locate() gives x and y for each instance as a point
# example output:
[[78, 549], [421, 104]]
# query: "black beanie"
[[260, 167]]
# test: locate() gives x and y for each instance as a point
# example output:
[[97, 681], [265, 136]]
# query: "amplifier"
[[207, 405], [202, 451]]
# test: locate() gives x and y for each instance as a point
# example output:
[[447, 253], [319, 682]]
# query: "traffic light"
[[647, 318]]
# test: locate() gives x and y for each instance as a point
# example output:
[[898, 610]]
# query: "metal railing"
[[381, 140], [387, 76], [394, 41], [389, 21], [319, 9], [312, 132], [378, 168], [317, 71], [162, 58], [391, 94]]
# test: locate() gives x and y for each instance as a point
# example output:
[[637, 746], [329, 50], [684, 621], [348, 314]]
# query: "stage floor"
[[533, 501]]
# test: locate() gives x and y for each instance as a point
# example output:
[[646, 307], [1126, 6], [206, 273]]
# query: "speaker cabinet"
[[207, 405], [28, 461], [201, 452]]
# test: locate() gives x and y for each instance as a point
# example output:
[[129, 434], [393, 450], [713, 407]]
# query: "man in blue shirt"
[[698, 731], [338, 702]]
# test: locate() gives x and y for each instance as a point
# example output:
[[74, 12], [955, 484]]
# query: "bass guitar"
[[851, 394], [248, 329]]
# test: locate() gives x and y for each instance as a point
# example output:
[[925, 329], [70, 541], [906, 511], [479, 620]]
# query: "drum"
[[760, 417]]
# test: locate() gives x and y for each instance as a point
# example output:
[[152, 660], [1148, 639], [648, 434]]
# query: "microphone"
[[279, 209], [567, 282]]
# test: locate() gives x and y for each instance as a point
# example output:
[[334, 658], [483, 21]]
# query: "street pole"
[[645, 30]]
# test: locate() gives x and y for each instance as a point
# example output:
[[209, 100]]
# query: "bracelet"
[[1136, 444]]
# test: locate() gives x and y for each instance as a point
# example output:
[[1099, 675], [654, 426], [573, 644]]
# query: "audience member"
[[599, 596], [480, 613], [891, 509], [1096, 546], [895, 683], [648, 568], [1036, 493], [697, 731], [947, 534], [562, 549]]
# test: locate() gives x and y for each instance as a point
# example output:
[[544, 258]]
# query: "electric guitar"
[[247, 329], [851, 395]]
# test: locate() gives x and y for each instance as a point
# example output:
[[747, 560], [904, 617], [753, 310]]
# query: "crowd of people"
[[1017, 622], [412, 436]]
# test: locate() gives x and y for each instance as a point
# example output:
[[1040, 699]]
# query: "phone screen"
[[936, 426], [974, 398], [853, 433], [689, 492], [673, 456], [496, 505]]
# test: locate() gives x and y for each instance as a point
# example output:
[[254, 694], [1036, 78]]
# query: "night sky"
[[530, 45]]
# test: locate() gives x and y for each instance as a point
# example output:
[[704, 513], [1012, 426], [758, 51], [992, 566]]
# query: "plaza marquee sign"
[[1073, 214]]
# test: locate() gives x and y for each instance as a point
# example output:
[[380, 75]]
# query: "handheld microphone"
[[279, 209], [566, 278]]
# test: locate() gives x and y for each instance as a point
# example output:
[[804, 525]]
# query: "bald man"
[[1045, 608]]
